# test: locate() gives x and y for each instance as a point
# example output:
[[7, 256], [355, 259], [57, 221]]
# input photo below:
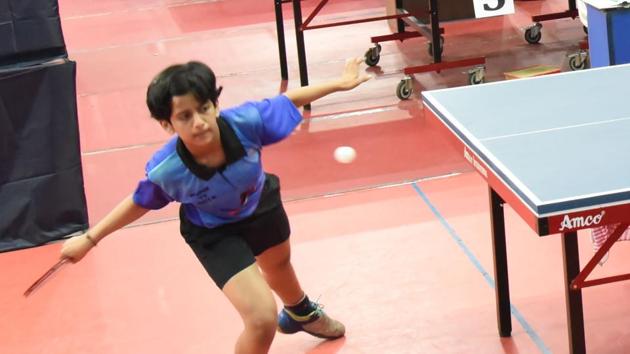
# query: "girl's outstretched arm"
[[123, 214], [350, 78]]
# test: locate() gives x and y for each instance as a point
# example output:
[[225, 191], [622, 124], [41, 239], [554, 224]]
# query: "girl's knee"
[[277, 265], [262, 322]]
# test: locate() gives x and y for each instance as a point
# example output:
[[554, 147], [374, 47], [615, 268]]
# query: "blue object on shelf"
[[608, 35]]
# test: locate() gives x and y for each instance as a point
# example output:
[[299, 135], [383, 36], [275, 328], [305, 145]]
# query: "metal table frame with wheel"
[[403, 90], [435, 46], [300, 27], [533, 33]]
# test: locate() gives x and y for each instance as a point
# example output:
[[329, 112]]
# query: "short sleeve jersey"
[[213, 197]]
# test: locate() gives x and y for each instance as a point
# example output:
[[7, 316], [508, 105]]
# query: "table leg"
[[282, 51], [436, 41], [575, 313], [502, 287], [400, 24], [299, 37]]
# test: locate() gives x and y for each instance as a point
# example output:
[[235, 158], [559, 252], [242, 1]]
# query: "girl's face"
[[194, 122]]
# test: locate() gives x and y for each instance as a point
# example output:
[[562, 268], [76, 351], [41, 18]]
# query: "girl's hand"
[[351, 78], [76, 248]]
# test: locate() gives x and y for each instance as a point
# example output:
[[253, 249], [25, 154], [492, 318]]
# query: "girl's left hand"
[[351, 78]]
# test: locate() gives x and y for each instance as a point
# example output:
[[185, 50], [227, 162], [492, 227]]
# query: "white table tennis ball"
[[345, 154]]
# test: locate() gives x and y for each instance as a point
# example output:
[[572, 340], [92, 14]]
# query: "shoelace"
[[319, 308]]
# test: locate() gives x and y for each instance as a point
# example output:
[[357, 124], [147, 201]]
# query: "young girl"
[[231, 214]]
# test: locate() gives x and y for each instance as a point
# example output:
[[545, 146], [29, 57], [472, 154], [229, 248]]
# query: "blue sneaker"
[[316, 323]]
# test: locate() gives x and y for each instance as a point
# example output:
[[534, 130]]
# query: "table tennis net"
[[600, 234]]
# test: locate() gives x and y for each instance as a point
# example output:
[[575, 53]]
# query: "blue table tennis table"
[[554, 148]]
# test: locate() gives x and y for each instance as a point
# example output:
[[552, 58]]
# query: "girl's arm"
[[350, 78], [123, 214]]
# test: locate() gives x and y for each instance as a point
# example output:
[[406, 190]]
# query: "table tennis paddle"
[[46, 275]]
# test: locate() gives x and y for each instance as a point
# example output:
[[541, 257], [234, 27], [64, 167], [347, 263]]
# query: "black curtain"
[[41, 182], [30, 32]]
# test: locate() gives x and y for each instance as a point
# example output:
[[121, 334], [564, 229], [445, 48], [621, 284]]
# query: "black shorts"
[[226, 250]]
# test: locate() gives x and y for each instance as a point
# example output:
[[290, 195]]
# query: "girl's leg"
[[277, 269], [252, 298], [299, 313]]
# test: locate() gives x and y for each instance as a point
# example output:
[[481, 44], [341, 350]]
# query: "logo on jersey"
[[581, 221]]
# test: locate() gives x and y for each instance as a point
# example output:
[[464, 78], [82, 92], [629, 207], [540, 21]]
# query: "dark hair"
[[178, 80]]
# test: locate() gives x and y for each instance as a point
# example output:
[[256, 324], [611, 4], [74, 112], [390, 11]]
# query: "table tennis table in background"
[[560, 165]]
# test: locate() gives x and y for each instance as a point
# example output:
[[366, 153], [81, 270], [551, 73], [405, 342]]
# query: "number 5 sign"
[[489, 8]]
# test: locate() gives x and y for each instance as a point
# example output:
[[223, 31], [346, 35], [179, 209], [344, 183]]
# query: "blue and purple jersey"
[[213, 197]]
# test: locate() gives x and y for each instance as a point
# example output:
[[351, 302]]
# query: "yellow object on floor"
[[536, 70]]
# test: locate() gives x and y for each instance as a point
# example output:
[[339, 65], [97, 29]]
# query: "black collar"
[[232, 148]]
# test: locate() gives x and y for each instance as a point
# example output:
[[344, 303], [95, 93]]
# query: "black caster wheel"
[[477, 76], [404, 89], [576, 62], [373, 55], [533, 34]]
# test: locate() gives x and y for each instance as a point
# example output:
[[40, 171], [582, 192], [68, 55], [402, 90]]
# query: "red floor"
[[380, 259]]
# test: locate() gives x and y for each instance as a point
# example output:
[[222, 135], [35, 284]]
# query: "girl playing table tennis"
[[231, 213]]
